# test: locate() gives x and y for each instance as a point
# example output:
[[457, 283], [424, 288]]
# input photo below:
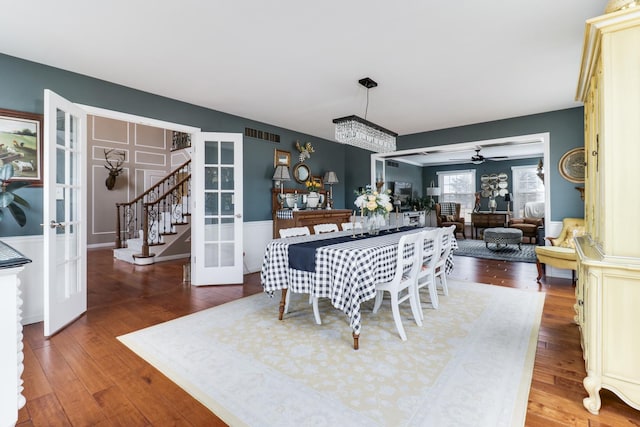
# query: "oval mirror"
[[484, 178], [503, 184], [502, 176], [301, 173]]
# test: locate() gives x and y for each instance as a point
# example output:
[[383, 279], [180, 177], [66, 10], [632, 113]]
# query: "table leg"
[[282, 303], [356, 337]]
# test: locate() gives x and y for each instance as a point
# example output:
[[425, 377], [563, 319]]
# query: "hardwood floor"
[[83, 376]]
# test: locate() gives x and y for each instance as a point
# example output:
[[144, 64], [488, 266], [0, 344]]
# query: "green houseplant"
[[10, 200]]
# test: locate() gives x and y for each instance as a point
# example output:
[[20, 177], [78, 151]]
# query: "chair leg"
[[416, 309], [433, 294], [395, 309], [443, 282], [378, 301], [286, 302], [316, 312], [541, 269]]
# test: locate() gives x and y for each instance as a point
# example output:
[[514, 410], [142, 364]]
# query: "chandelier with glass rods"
[[361, 133]]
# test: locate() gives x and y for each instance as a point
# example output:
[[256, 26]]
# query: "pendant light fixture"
[[361, 133]]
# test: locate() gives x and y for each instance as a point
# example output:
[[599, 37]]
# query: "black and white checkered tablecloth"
[[345, 272]]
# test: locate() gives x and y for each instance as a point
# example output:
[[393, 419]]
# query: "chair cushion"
[[557, 252], [572, 231], [533, 221]]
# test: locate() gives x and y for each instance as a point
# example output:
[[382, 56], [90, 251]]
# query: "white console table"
[[11, 356]]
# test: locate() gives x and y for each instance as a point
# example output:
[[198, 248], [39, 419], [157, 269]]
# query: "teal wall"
[[566, 131], [22, 84]]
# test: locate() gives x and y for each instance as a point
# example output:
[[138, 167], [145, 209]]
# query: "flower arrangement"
[[312, 185], [369, 201]]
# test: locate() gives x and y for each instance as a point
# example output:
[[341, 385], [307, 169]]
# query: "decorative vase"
[[375, 221], [492, 205], [313, 199]]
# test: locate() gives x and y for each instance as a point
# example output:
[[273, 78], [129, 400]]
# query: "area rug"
[[470, 364], [478, 249]]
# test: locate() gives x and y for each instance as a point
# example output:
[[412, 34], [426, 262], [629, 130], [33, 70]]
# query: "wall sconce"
[[280, 175], [330, 178]]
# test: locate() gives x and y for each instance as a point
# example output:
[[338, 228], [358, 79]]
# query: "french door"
[[65, 207], [216, 228]]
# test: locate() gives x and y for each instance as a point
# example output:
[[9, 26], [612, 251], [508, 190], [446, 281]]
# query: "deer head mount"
[[114, 166]]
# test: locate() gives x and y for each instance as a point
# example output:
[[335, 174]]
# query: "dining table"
[[342, 266]]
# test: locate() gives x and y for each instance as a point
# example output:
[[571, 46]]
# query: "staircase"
[[156, 220]]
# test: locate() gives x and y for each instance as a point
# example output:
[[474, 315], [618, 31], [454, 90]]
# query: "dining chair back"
[[448, 234], [431, 241], [351, 225], [402, 286], [294, 231], [325, 228]]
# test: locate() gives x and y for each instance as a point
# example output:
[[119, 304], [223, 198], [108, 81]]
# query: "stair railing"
[[135, 218]]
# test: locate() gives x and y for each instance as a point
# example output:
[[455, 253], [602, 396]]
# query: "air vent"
[[392, 164], [267, 136]]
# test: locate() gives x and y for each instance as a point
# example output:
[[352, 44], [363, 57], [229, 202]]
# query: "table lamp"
[[330, 178], [507, 198], [433, 191], [280, 175]]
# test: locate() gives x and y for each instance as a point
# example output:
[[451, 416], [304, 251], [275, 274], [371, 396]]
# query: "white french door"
[[64, 228], [216, 228]]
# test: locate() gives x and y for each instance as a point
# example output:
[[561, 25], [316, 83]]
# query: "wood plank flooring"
[[84, 376]]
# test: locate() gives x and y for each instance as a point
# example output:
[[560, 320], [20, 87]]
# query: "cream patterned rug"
[[469, 365]]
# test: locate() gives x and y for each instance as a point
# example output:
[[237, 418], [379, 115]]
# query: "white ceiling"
[[296, 64]]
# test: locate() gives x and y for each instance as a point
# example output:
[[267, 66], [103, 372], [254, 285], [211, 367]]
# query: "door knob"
[[53, 224]]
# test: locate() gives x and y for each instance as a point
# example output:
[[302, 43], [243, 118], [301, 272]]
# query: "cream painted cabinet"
[[608, 290]]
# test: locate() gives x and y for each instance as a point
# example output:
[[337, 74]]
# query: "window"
[[527, 187], [459, 187]]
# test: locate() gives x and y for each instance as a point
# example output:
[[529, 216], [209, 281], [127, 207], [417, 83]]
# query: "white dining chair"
[[351, 225], [431, 241], [325, 228], [448, 234], [402, 286], [294, 231]]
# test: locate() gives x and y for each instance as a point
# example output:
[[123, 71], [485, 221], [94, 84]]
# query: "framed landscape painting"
[[21, 144]]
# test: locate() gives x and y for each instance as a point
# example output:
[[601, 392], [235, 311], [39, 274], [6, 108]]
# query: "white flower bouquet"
[[370, 202]]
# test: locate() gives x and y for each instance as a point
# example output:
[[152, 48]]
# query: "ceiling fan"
[[478, 158]]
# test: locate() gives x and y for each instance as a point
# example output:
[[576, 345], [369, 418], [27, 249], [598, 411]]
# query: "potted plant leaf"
[[10, 200]]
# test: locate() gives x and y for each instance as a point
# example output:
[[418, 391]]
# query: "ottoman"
[[502, 236]]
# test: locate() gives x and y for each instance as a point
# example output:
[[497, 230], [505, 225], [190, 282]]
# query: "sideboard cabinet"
[[488, 220], [608, 288], [287, 218]]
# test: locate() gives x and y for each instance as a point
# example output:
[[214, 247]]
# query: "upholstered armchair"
[[562, 252], [448, 214], [528, 226]]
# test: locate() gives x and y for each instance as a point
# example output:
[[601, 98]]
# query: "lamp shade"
[[433, 191], [507, 197], [330, 177], [281, 173]]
